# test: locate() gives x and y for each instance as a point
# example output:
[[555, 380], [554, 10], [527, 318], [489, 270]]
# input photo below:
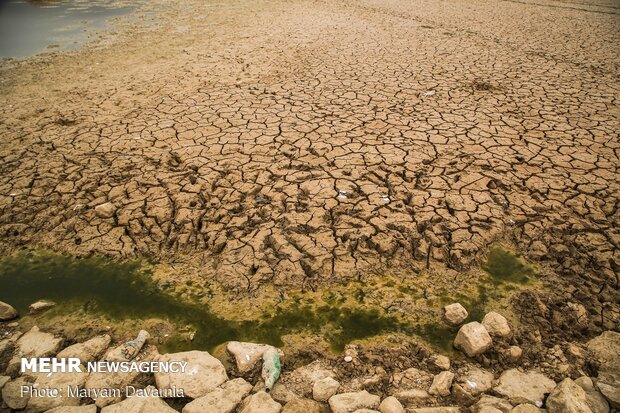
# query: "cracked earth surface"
[[294, 143]]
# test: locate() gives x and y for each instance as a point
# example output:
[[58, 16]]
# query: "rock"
[[391, 405], [128, 350], [34, 343], [90, 408], [605, 349], [567, 397], [106, 210], [412, 395], [473, 339], [578, 314], [476, 381], [4, 380], [260, 402], [348, 359], [203, 373], [496, 324], [514, 353], [461, 396], [349, 402], [324, 389], [302, 379], [224, 399], [149, 404], [595, 400], [521, 387], [489, 409], [526, 408], [303, 406], [87, 351], [366, 411], [247, 355], [40, 306], [280, 393], [491, 401], [60, 381], [454, 314], [445, 409], [442, 384], [12, 395], [7, 312], [440, 361]]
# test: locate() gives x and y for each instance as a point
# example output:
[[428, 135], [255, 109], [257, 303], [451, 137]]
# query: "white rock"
[[203, 373], [444, 409], [520, 387], [34, 343], [303, 406], [87, 351], [140, 405], [224, 399], [90, 408], [605, 349], [476, 381], [526, 408], [440, 361], [595, 400], [324, 389], [12, 395], [496, 324], [260, 402], [567, 397], [491, 401], [442, 384], [40, 306], [60, 381], [514, 353], [391, 405], [454, 314], [7, 312], [473, 339], [349, 402], [106, 210]]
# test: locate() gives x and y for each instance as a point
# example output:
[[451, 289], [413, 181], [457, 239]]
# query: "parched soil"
[[295, 143]]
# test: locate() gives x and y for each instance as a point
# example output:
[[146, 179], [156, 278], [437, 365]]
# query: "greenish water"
[[123, 290]]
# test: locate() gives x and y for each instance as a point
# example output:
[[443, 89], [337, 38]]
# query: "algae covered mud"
[[125, 290]]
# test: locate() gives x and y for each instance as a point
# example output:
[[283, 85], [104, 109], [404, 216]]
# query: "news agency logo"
[[74, 365]]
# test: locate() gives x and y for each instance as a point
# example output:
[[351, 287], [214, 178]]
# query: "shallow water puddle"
[[28, 27], [124, 290]]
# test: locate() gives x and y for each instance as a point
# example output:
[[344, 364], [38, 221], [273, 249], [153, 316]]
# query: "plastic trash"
[[271, 368]]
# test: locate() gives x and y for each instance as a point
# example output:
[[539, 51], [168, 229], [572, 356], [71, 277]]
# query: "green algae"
[[506, 267]]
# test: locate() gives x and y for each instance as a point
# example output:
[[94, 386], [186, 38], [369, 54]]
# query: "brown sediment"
[[273, 145]]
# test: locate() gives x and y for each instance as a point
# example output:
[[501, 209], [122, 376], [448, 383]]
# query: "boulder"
[[520, 387], [489, 409], [223, 399], [34, 343], [443, 409], [595, 400], [496, 324], [203, 373], [605, 349], [260, 402], [303, 406], [567, 397], [442, 384], [440, 361], [89, 408], [526, 408], [476, 381], [87, 351], [149, 404], [349, 402], [279, 392], [391, 405], [491, 401], [12, 394], [7, 312], [473, 339], [454, 314], [324, 389], [106, 210], [247, 355], [40, 306], [60, 381]]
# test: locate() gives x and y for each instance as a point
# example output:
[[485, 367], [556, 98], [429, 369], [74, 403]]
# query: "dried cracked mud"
[[299, 143]]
